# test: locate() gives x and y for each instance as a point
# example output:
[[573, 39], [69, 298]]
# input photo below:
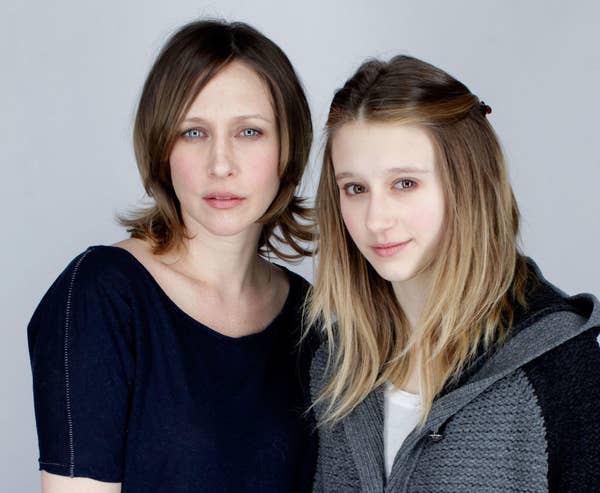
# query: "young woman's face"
[[391, 197], [224, 165]]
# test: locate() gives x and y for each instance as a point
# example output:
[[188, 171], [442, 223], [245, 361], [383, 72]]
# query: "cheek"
[[266, 170], [184, 167], [264, 164], [429, 220], [351, 217]]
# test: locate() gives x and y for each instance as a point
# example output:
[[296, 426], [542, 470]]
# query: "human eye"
[[405, 184], [353, 188], [193, 133], [250, 132]]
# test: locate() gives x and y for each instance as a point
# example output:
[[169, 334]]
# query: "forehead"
[[235, 90], [358, 147]]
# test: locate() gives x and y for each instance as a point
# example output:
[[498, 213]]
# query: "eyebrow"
[[255, 116], [404, 169]]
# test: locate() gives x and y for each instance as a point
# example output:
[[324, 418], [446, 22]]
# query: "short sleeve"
[[82, 357]]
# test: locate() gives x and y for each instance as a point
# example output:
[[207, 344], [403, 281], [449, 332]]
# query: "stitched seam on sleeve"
[[71, 444]]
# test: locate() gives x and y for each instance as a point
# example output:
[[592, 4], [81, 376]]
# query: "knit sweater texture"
[[522, 418]]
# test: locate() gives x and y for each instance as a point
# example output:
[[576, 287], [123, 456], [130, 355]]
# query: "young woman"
[[169, 362], [450, 364]]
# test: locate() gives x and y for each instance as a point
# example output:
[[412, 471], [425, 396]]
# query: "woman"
[[450, 364], [169, 361]]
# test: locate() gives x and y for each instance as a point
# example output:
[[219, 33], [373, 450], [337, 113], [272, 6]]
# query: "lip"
[[223, 200], [389, 249]]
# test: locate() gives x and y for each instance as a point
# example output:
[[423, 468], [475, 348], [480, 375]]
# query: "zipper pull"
[[435, 437]]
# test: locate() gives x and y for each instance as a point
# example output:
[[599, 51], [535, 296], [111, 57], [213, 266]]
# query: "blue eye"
[[193, 133], [404, 184], [250, 132], [354, 189]]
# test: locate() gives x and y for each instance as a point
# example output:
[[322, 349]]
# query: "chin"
[[398, 271], [396, 275], [228, 229], [232, 222]]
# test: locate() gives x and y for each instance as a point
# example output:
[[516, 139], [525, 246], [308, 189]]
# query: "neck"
[[227, 264], [412, 296]]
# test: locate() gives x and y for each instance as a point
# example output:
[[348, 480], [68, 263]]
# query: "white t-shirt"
[[401, 413]]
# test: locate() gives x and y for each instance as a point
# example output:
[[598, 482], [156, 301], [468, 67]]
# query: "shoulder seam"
[[71, 444]]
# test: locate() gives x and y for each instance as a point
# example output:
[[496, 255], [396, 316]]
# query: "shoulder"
[[141, 253], [569, 373], [297, 290], [299, 286], [566, 382], [99, 265], [569, 329], [98, 276]]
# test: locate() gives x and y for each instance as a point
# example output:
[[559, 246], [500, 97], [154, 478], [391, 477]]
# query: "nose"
[[380, 215], [221, 160]]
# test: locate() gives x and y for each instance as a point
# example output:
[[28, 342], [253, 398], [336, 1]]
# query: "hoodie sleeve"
[[567, 384]]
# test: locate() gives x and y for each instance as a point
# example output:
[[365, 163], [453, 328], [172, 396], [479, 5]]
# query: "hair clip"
[[484, 108]]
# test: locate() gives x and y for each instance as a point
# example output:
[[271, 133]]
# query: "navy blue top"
[[129, 388]]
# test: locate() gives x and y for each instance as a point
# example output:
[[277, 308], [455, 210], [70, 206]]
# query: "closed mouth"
[[222, 196], [223, 200]]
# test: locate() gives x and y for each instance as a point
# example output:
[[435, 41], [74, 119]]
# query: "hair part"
[[187, 62], [477, 272]]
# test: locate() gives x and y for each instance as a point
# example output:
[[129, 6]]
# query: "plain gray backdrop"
[[72, 72]]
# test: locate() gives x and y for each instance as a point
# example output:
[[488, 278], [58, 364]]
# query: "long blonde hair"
[[478, 273]]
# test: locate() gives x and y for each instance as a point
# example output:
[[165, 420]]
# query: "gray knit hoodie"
[[523, 419]]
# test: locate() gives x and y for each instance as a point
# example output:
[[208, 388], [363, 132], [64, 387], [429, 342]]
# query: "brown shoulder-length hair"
[[478, 273], [191, 58]]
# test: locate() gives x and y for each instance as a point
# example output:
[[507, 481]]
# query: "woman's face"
[[391, 197], [224, 165]]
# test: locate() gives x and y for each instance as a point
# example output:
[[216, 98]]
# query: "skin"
[[391, 194], [228, 143], [53, 483]]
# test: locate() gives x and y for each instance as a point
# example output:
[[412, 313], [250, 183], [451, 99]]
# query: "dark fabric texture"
[[566, 381], [128, 388], [523, 417]]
